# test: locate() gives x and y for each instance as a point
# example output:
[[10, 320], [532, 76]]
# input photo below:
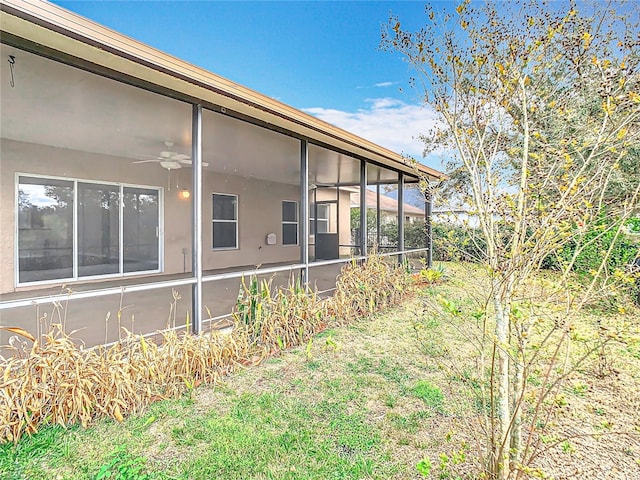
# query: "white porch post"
[[196, 241], [304, 209], [363, 208], [401, 216], [427, 226]]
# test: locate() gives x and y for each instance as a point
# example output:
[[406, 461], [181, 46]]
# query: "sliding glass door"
[[98, 229], [141, 215], [70, 229], [45, 229]]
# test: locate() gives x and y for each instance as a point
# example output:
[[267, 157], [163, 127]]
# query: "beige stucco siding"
[[259, 213], [259, 205]]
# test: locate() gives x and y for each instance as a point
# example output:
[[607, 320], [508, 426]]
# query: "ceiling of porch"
[[57, 105]]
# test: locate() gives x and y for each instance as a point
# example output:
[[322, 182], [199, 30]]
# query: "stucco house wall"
[[259, 206]]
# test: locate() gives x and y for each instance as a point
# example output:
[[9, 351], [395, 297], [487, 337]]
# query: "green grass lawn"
[[353, 404], [367, 401]]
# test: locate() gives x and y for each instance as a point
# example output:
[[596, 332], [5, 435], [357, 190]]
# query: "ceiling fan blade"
[[147, 161], [189, 162]]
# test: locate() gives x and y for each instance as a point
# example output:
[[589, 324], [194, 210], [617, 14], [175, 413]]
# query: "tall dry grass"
[[59, 382], [276, 319], [365, 288]]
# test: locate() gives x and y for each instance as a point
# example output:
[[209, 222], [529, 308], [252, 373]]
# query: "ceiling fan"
[[169, 159]]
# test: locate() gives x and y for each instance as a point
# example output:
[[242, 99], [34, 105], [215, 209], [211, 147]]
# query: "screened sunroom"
[[138, 190]]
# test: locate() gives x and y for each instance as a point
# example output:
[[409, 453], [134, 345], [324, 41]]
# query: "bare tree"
[[540, 112]]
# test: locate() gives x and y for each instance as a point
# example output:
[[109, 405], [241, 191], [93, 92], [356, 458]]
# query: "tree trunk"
[[501, 448], [518, 391]]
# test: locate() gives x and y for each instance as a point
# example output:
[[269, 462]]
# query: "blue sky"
[[320, 57]]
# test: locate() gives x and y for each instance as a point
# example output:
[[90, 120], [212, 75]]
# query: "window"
[[322, 219], [225, 221], [69, 229], [289, 223]]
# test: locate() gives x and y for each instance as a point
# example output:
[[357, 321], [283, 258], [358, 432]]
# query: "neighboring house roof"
[[387, 204], [47, 28]]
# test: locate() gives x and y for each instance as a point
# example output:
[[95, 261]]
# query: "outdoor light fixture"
[[184, 194], [12, 62]]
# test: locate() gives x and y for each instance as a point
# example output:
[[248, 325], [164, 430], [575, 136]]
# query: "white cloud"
[[389, 122], [386, 102], [379, 85], [385, 84]]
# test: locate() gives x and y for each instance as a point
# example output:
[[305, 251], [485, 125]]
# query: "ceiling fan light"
[[170, 165], [184, 194]]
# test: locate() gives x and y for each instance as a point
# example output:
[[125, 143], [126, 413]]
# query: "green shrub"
[[594, 245], [415, 234], [454, 243]]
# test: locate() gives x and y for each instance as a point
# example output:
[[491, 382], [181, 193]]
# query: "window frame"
[[312, 219], [288, 222], [236, 221], [159, 227], [75, 241]]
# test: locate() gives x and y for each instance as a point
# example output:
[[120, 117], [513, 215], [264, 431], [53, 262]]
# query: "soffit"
[[56, 105]]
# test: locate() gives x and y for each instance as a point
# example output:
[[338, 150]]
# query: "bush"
[[450, 242], [454, 243], [622, 262], [59, 382], [365, 288], [415, 234], [280, 318], [594, 245]]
